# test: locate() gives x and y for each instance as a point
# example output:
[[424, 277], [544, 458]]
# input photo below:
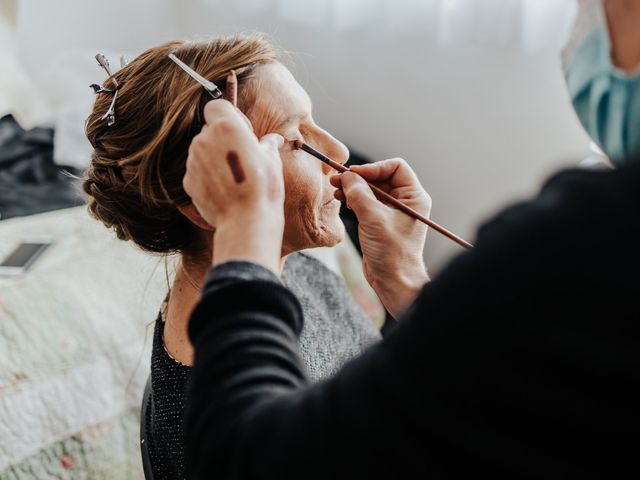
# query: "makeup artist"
[[520, 360]]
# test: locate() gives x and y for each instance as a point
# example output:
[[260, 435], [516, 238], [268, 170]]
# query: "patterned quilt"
[[74, 351]]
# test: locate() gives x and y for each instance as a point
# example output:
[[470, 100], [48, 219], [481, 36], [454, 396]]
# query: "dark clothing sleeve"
[[520, 360]]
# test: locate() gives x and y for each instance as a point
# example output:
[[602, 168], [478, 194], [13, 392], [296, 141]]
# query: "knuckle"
[[351, 178], [226, 106], [186, 184], [210, 109], [214, 107], [188, 165], [347, 180], [223, 126], [379, 221], [355, 197], [197, 143], [358, 196], [429, 205]]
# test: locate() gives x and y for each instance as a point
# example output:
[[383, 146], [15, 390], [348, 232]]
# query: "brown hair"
[[134, 181]]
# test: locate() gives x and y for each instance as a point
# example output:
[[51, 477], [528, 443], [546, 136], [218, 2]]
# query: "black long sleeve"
[[520, 360]]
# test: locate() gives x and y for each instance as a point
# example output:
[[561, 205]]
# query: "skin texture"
[[311, 213]]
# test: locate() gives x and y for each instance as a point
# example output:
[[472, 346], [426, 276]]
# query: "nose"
[[334, 149]]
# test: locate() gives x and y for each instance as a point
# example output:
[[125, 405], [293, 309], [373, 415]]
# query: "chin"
[[331, 232], [332, 238], [324, 229]]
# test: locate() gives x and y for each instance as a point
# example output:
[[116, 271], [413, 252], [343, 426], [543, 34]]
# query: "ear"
[[191, 212]]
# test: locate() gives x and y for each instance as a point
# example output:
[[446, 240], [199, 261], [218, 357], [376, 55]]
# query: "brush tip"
[[297, 144]]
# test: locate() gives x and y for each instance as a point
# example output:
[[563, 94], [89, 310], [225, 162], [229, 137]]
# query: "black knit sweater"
[[521, 360]]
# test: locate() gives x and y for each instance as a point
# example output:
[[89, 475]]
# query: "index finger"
[[395, 172], [221, 110]]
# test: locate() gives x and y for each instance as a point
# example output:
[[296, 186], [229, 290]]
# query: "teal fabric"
[[606, 99]]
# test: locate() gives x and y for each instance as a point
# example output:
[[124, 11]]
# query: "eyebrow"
[[291, 119]]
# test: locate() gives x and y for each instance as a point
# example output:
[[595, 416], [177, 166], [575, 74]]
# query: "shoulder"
[[323, 294], [569, 247], [569, 210], [163, 366], [301, 265], [303, 258], [577, 227]]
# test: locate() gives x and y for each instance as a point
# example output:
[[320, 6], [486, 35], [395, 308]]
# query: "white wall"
[[481, 126], [49, 27]]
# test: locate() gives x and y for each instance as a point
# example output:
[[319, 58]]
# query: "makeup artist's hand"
[[235, 182], [392, 242]]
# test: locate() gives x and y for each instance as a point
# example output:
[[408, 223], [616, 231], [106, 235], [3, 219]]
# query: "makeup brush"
[[231, 94], [232, 88], [382, 195]]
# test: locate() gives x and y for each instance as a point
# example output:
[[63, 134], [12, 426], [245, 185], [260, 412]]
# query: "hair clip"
[[100, 88], [110, 115], [104, 63], [208, 85]]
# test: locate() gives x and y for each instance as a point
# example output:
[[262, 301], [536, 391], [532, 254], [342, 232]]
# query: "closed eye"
[[291, 120]]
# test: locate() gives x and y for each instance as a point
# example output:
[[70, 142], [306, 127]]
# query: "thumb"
[[272, 141], [360, 197]]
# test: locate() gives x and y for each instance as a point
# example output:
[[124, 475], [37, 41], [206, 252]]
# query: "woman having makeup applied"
[[135, 186], [519, 360]]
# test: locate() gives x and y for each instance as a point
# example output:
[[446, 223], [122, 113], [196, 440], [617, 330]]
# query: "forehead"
[[278, 93]]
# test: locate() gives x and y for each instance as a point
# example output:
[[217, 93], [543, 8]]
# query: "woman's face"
[[311, 212]]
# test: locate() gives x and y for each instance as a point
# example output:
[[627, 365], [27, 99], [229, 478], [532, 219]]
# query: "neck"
[[185, 294], [194, 271]]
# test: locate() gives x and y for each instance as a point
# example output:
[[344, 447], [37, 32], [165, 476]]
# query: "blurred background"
[[470, 92]]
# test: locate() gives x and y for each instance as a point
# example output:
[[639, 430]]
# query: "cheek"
[[307, 223], [302, 183]]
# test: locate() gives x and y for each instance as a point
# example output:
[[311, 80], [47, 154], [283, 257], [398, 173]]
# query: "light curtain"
[[532, 25]]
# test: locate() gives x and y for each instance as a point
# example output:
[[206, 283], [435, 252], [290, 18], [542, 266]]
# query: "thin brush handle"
[[232, 88], [382, 195]]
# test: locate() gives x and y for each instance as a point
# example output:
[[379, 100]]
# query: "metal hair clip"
[[110, 114], [100, 88], [209, 86], [104, 63]]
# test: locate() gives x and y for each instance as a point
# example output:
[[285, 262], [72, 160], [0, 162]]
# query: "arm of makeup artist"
[[497, 368]]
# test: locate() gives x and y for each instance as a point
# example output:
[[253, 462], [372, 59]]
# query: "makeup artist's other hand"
[[392, 242], [235, 182]]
